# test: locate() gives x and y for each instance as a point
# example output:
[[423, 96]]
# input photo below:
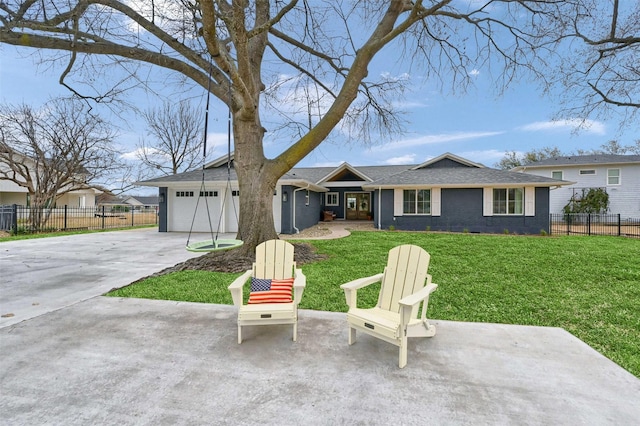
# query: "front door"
[[358, 205]]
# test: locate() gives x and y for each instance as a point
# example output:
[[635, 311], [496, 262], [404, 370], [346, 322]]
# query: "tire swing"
[[215, 243]]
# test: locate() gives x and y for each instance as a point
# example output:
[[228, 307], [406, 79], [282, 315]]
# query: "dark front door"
[[358, 205]]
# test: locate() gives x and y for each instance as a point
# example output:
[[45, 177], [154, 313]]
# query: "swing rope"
[[203, 188], [214, 244], [228, 187]]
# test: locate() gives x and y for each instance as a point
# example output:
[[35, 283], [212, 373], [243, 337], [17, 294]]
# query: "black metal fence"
[[25, 220], [594, 224]]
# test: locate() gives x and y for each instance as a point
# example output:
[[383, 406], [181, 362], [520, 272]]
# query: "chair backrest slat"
[[405, 273], [274, 260]]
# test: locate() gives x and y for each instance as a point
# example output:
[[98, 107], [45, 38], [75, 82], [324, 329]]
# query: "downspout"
[[379, 207], [293, 195]]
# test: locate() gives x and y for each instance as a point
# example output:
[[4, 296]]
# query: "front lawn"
[[589, 286]]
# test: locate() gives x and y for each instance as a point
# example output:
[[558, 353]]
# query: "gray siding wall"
[[163, 192], [461, 211], [305, 215]]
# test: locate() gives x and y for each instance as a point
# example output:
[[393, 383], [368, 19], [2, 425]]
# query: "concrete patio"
[[70, 356], [144, 362]]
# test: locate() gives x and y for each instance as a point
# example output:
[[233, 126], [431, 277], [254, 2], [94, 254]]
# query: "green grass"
[[589, 286], [62, 233]]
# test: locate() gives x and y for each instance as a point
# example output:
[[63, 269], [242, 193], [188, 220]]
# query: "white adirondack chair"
[[274, 260], [405, 284]]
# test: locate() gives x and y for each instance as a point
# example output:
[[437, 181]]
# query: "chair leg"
[[352, 335], [403, 352], [295, 331], [239, 334]]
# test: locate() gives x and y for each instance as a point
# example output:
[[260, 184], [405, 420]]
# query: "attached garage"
[[211, 209]]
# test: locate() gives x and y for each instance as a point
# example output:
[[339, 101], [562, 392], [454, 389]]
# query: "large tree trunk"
[[257, 177]]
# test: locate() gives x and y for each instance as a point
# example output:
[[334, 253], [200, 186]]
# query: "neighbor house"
[[618, 175], [447, 193], [12, 193]]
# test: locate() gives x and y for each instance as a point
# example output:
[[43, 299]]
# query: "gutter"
[[293, 195], [379, 206]]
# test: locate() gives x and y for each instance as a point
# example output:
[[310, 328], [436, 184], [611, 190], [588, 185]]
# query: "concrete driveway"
[[45, 274]]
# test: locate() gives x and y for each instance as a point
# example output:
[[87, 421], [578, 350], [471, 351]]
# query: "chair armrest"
[[407, 303], [236, 287], [418, 296], [299, 283], [351, 288]]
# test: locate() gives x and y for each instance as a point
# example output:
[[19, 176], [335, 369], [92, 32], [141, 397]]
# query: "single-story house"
[[447, 193], [12, 193], [142, 202], [618, 175]]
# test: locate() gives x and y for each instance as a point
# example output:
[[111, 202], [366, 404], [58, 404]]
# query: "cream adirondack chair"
[[274, 260], [405, 284]]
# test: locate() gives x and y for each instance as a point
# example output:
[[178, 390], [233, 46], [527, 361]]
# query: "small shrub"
[[392, 228], [543, 233], [505, 231], [465, 231], [428, 228]]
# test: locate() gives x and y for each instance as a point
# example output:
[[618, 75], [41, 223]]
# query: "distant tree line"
[[513, 159]]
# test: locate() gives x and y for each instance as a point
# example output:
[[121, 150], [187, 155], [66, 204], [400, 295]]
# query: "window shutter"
[[487, 202], [397, 202], [529, 201], [435, 201]]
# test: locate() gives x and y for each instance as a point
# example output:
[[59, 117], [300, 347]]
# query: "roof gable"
[[220, 161], [447, 161], [345, 172]]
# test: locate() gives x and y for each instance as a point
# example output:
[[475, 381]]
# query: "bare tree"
[[60, 148], [303, 65], [512, 159], [612, 147], [176, 129], [604, 75]]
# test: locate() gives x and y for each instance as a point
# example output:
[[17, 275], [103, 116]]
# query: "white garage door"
[[185, 203]]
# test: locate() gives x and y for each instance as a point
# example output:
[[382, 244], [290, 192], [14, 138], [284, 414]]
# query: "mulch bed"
[[231, 261]]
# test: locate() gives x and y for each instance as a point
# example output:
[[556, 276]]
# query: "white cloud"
[[435, 139], [590, 126], [405, 159], [404, 105], [136, 153], [474, 72], [487, 157]]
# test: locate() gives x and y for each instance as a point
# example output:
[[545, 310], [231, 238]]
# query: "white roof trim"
[[220, 161], [342, 167], [450, 156]]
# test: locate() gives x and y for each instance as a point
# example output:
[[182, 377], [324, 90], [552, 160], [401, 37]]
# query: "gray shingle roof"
[[463, 177], [582, 160], [381, 176], [218, 174], [315, 174], [147, 200]]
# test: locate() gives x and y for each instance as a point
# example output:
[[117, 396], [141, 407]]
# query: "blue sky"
[[477, 125]]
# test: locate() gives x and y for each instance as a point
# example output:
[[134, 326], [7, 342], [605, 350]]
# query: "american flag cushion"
[[271, 291]]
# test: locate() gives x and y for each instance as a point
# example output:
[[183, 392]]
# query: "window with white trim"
[[588, 172], [613, 176], [331, 199], [508, 201], [558, 175], [416, 201]]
